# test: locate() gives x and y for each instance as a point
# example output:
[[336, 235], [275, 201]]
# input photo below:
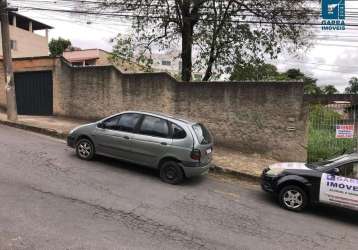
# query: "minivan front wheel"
[[85, 149], [171, 172]]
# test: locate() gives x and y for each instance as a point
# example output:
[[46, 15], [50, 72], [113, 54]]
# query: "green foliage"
[[310, 83], [329, 90], [220, 31], [321, 116], [58, 46], [250, 71], [124, 50], [353, 86], [322, 142], [264, 71]]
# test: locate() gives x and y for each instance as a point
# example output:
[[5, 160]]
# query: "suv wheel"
[[171, 172], [293, 198], [85, 149]]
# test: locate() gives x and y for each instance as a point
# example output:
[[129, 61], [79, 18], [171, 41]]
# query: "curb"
[[235, 174], [62, 135], [35, 129]]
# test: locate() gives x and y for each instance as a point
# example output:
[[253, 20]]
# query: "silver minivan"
[[177, 147]]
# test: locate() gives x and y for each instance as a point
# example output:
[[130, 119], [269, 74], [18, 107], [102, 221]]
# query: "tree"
[[294, 74], [222, 31], [58, 46], [254, 72], [309, 83], [353, 86], [124, 50], [329, 90]]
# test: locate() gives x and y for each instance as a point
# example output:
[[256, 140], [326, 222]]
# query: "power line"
[[328, 70], [338, 45], [328, 65], [73, 5], [116, 14]]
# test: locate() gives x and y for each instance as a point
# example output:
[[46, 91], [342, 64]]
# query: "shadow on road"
[[144, 171], [335, 214]]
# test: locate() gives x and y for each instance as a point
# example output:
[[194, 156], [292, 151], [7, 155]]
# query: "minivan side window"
[[128, 122], [112, 123], [178, 132], [154, 126]]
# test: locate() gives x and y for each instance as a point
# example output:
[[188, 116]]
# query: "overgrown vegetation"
[[322, 142], [265, 71], [58, 46]]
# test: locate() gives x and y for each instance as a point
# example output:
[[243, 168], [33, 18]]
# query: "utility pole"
[[7, 60]]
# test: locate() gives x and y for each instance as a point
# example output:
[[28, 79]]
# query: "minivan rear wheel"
[[171, 172]]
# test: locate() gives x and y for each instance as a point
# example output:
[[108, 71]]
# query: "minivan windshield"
[[202, 133]]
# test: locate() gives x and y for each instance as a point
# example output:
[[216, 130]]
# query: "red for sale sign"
[[344, 131]]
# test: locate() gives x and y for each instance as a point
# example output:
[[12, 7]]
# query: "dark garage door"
[[34, 93]]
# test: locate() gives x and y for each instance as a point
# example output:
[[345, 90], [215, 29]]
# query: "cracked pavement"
[[52, 200]]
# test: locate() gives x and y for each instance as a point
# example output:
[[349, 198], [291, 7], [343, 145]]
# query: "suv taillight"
[[195, 154]]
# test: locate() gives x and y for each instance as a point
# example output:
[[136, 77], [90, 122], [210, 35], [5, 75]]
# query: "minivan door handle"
[[126, 137], [164, 143]]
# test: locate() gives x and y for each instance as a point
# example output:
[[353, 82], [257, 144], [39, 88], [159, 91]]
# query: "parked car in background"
[[177, 147], [297, 185]]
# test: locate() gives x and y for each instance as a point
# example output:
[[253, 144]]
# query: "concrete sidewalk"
[[227, 161]]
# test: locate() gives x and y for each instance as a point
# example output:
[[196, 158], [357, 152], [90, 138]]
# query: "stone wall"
[[95, 92], [264, 117]]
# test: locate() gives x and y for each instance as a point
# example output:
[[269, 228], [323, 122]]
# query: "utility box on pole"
[[7, 60]]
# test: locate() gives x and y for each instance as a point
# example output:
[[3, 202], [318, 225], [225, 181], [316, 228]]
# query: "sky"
[[332, 58]]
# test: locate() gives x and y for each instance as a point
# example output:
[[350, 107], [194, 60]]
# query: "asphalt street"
[[49, 199]]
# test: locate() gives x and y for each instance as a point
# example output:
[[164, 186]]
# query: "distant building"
[[171, 63], [98, 57], [342, 108], [87, 57], [24, 41]]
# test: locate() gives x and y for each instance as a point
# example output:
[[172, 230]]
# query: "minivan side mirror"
[[334, 171], [101, 125]]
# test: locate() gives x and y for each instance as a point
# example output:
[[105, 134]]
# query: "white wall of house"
[[26, 44], [168, 62], [171, 62]]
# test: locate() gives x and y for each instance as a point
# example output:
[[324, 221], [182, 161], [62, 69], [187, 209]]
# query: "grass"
[[322, 144], [322, 141]]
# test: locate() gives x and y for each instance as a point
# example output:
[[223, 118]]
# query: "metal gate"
[[333, 130], [34, 93]]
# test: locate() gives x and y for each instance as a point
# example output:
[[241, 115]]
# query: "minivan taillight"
[[195, 154]]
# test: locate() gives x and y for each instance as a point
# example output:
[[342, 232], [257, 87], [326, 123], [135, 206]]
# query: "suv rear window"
[[202, 133]]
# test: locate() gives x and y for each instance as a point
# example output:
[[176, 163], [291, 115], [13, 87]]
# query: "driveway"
[[52, 200]]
